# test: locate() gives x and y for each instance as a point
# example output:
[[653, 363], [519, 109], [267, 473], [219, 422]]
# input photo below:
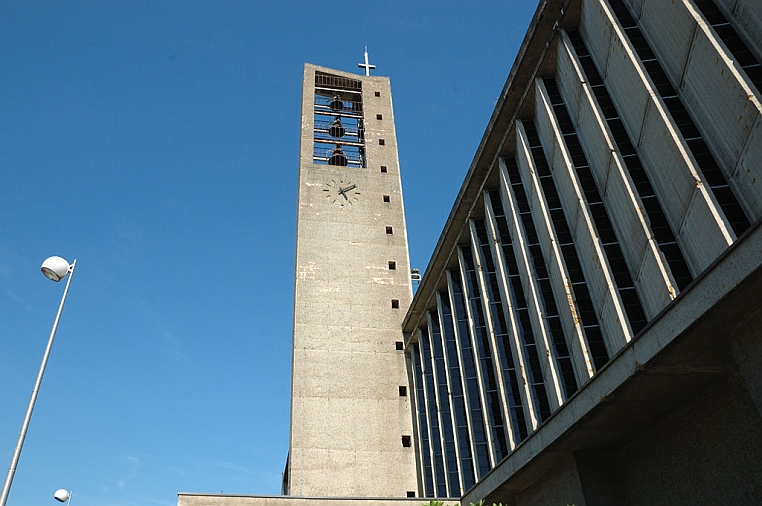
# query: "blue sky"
[[156, 142]]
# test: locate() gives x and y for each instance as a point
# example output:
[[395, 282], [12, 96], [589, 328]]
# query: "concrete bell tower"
[[350, 412]]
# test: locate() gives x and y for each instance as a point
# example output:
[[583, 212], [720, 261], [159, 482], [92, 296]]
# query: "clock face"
[[341, 192]]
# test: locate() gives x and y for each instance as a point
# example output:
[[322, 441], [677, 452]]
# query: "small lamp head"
[[62, 495], [55, 268]]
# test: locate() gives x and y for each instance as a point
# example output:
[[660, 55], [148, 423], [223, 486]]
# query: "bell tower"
[[350, 412]]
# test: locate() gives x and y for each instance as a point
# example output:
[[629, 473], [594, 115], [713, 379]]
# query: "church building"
[[588, 329]]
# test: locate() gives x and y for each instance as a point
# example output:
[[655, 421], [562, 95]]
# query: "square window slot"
[[383, 168], [403, 391], [399, 345], [389, 230], [406, 441], [392, 265], [381, 142], [378, 116], [387, 198], [395, 304]]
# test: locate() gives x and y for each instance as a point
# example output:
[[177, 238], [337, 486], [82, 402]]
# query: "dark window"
[[411, 493], [381, 142], [395, 304], [378, 94], [403, 391], [378, 116], [398, 345], [426, 470], [386, 198], [389, 230], [392, 265], [445, 455], [493, 408], [458, 401], [471, 385], [406, 441], [383, 168]]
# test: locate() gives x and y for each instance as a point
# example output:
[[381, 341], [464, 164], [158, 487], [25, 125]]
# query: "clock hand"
[[343, 191]]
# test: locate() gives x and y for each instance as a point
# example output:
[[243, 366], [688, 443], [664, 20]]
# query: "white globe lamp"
[[62, 495], [55, 268]]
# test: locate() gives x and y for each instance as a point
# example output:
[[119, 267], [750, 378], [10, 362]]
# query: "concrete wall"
[[708, 452], [705, 452], [184, 499], [347, 417], [527, 277], [746, 15], [690, 208], [652, 278], [555, 264], [609, 311], [699, 65], [559, 485], [650, 440], [675, 417]]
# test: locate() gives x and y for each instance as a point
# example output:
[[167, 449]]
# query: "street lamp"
[[55, 268]]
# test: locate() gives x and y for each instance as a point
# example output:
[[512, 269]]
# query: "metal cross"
[[367, 66]]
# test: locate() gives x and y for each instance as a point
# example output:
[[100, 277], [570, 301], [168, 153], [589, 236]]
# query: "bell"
[[336, 104], [338, 157], [337, 129]]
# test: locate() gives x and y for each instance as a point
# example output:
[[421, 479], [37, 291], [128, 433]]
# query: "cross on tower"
[[367, 66]]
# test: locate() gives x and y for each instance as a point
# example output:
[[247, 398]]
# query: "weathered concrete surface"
[[186, 499], [677, 409], [700, 351], [347, 417]]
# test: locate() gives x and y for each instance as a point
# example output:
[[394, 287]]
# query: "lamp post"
[[55, 268]]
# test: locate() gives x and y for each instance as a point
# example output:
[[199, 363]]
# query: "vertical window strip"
[[435, 440], [450, 480], [476, 411], [502, 396], [505, 359], [583, 300], [660, 229], [423, 427], [533, 367], [511, 343], [561, 353], [606, 233], [493, 400], [553, 339], [705, 162], [459, 410], [732, 40]]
